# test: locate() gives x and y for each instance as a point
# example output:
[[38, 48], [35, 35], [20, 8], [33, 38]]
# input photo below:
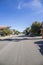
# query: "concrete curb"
[[6, 37]]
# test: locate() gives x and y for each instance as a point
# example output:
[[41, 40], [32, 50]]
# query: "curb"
[[6, 37]]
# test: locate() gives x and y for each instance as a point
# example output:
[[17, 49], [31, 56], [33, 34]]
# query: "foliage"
[[5, 32], [36, 27], [16, 31], [27, 31]]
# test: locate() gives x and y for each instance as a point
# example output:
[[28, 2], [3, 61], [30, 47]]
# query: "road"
[[20, 50]]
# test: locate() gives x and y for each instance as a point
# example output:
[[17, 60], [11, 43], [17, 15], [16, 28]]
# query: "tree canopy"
[[16, 31], [27, 31], [5, 32], [36, 27]]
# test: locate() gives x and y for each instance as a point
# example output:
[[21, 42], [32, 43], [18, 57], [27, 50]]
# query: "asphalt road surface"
[[21, 50]]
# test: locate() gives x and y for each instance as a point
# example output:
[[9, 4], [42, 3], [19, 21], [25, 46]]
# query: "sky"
[[20, 14]]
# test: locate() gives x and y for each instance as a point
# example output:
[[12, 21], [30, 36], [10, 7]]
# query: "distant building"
[[3, 28]]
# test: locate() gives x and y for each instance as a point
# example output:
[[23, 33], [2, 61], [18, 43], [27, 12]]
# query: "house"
[[2, 28]]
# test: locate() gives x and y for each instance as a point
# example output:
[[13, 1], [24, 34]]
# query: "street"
[[21, 50]]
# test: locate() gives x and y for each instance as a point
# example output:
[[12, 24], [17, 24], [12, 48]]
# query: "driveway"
[[21, 50]]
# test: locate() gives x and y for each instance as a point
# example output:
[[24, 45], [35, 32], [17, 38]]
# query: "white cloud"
[[31, 4], [20, 5], [36, 3]]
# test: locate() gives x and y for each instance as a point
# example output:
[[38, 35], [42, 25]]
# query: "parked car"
[[31, 35]]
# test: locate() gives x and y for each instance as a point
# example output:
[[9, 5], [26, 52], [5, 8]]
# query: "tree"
[[36, 27], [16, 31], [7, 31], [26, 31]]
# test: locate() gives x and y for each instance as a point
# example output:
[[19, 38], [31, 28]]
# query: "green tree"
[[26, 31], [36, 27], [7, 31], [16, 31]]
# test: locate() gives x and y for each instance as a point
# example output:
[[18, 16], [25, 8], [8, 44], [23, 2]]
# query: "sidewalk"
[[5, 37]]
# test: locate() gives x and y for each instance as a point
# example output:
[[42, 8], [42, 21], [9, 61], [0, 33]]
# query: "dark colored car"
[[31, 35]]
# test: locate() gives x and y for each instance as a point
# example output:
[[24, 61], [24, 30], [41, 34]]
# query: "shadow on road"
[[16, 40], [23, 36], [26, 36], [40, 44], [20, 39]]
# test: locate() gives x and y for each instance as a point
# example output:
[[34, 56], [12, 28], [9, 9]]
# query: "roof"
[[3, 27]]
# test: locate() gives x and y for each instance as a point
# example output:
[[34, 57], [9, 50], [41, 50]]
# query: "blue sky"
[[20, 14]]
